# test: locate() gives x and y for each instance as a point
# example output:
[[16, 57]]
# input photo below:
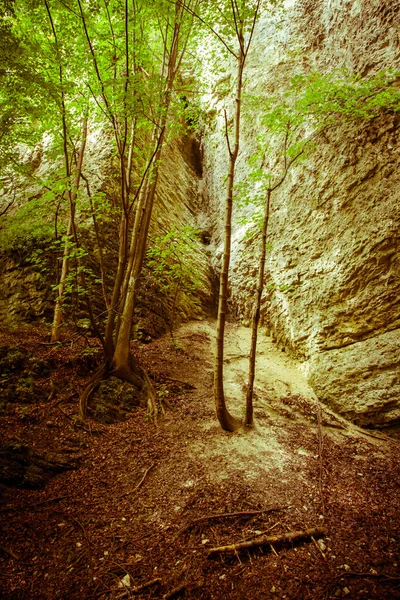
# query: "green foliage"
[[172, 262], [324, 97], [30, 228], [172, 259], [291, 122]]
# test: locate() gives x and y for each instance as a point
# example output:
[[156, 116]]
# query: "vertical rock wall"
[[332, 288], [26, 286]]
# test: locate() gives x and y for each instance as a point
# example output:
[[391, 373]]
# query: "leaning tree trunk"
[[256, 315], [118, 359], [58, 312], [226, 420], [121, 359]]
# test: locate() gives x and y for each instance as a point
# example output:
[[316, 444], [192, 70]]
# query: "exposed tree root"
[[177, 590], [227, 421], [124, 373], [152, 408], [247, 513], [91, 386], [268, 540], [141, 482]]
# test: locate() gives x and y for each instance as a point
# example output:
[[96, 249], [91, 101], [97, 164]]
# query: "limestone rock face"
[[332, 294], [26, 292]]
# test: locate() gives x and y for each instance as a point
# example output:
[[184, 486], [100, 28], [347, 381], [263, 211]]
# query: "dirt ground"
[[140, 515]]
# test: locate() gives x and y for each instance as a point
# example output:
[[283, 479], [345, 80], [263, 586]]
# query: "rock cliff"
[[332, 288], [28, 266]]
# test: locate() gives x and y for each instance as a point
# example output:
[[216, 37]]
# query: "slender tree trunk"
[[58, 312], [226, 420], [98, 243], [256, 314], [57, 319], [121, 359], [122, 351], [118, 359]]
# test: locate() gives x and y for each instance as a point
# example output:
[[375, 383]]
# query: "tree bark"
[[256, 314], [226, 420], [55, 330]]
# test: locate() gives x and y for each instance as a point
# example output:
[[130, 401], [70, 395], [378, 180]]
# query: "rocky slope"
[[333, 292], [26, 283], [332, 285]]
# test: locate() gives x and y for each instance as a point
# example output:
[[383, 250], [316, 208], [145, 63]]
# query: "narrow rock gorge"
[[332, 288], [332, 292], [177, 178]]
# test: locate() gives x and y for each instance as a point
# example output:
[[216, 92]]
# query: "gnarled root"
[[91, 386], [152, 408]]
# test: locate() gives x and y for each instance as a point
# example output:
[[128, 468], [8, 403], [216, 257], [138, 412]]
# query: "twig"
[[376, 436], [10, 552], [57, 402], [236, 357], [34, 505], [377, 575], [139, 588], [66, 415], [273, 550], [139, 485], [248, 513], [185, 383], [318, 547], [174, 592], [268, 540], [320, 457]]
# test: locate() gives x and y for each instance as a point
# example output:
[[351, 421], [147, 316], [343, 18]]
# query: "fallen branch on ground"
[[376, 575], [34, 504], [141, 482], [383, 437], [236, 357], [268, 540], [318, 547], [185, 383], [139, 588], [246, 513], [9, 552], [174, 592]]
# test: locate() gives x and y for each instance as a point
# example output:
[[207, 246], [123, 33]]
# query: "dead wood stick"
[[34, 504], [318, 547], [376, 575], [273, 550], [139, 588], [141, 482], [9, 552], [174, 592], [245, 513], [320, 457], [186, 383], [268, 540], [57, 402], [375, 435]]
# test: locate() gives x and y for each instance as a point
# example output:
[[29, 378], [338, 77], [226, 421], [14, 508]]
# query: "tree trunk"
[[118, 359], [55, 330], [256, 315], [122, 352], [226, 420]]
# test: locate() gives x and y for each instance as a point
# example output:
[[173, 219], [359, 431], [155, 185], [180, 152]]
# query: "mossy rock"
[[21, 466], [113, 400], [11, 360]]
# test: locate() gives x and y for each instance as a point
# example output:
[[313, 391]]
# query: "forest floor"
[[148, 501]]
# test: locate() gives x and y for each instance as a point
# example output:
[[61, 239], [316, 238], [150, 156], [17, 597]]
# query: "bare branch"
[[227, 133]]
